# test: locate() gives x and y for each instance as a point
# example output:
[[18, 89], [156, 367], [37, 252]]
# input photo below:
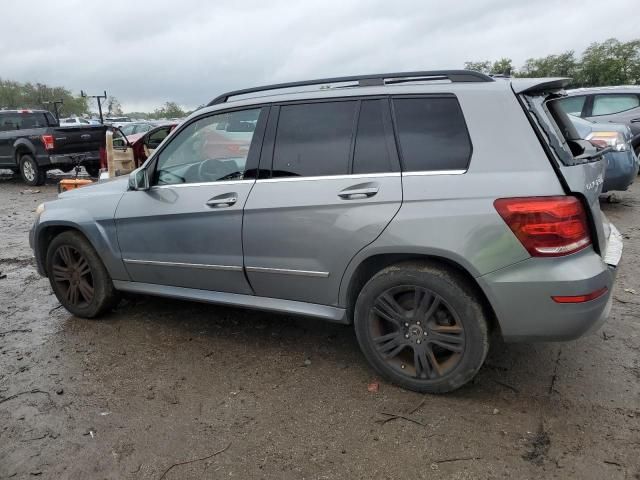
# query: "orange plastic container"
[[72, 183]]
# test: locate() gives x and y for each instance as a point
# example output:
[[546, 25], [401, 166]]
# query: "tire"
[[30, 172], [92, 171], [78, 277], [422, 327]]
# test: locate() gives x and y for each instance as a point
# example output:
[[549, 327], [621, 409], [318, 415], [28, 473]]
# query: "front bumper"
[[521, 294], [622, 170]]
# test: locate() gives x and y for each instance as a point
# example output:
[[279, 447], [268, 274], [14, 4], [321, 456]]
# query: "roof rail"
[[377, 79]]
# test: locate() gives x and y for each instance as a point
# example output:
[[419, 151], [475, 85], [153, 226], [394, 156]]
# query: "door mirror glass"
[[138, 179]]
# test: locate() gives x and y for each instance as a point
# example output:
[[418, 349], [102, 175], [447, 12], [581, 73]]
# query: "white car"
[[74, 121]]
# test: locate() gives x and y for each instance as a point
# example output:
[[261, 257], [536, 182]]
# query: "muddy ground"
[[161, 382]]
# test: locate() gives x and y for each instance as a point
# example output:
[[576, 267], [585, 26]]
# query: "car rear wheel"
[[422, 327], [30, 173], [78, 277]]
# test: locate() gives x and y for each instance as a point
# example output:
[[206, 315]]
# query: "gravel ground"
[[243, 394]]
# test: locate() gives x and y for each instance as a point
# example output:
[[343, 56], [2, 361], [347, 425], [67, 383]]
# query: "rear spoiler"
[[532, 85]]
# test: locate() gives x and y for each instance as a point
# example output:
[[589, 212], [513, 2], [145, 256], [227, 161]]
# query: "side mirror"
[[138, 179]]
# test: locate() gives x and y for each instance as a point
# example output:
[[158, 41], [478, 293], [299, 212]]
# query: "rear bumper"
[[71, 158], [521, 294]]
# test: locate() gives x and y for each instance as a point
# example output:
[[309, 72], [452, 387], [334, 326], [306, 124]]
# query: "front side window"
[[210, 149], [608, 104], [573, 105], [432, 134], [314, 139]]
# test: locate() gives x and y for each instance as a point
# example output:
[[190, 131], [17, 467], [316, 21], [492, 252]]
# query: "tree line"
[[611, 62], [14, 95]]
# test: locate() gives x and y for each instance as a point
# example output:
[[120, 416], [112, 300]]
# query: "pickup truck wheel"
[[92, 171], [78, 277], [422, 327], [31, 174]]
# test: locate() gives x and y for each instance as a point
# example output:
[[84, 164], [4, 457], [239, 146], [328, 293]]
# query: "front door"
[[334, 187], [186, 229]]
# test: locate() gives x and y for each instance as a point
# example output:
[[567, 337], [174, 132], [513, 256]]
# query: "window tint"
[[210, 149], [607, 104], [573, 105], [22, 121], [314, 139], [432, 134], [371, 153], [156, 138]]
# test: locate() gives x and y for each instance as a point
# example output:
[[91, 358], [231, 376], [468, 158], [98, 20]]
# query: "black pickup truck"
[[32, 142]]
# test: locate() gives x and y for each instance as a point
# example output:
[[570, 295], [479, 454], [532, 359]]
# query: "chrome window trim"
[[328, 177], [433, 172], [204, 184], [287, 271], [233, 268]]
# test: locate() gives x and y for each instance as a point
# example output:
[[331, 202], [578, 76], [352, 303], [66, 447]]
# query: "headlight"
[[39, 209]]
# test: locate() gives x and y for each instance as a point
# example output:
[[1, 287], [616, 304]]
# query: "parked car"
[[74, 121], [622, 162], [117, 120], [382, 201], [135, 128], [136, 147], [607, 104], [32, 142]]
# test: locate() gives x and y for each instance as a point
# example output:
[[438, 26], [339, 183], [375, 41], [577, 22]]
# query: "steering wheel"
[[212, 170]]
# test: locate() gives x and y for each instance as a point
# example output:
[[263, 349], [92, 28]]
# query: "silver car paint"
[[447, 215], [303, 225], [169, 235]]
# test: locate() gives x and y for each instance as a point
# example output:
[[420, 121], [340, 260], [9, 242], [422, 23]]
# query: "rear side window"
[[432, 134], [314, 139], [608, 104], [371, 154], [573, 105]]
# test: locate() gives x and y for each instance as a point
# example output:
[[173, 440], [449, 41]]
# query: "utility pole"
[[55, 104], [98, 98]]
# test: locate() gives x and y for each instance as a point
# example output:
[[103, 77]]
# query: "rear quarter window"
[[609, 104], [432, 134]]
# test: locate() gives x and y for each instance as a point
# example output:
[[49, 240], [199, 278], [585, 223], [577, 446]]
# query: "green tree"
[[499, 67], [169, 110], [113, 106], [29, 95], [482, 66], [562, 65]]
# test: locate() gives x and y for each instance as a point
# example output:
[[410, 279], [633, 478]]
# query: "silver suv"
[[429, 209]]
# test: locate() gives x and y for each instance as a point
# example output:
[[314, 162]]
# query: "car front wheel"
[[78, 277], [422, 327]]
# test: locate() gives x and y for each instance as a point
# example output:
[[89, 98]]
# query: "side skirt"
[[325, 312]]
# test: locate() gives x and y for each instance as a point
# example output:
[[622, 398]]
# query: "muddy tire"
[[30, 172], [78, 277], [93, 171], [422, 327]]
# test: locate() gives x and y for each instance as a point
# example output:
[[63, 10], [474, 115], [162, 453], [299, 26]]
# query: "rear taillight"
[[614, 140], [546, 226], [47, 140]]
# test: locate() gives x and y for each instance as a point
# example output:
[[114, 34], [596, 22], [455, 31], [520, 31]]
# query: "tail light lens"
[[609, 139], [47, 140], [546, 226]]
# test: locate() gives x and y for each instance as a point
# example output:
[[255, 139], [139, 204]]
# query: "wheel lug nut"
[[406, 324], [402, 366], [425, 334], [406, 335], [418, 322], [418, 341]]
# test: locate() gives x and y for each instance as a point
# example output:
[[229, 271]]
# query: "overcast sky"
[[188, 51]]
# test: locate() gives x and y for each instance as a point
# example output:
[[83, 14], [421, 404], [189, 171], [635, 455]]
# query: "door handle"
[[222, 201], [359, 192]]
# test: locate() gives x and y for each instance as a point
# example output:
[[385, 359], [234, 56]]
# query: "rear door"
[[333, 186], [9, 123], [185, 231]]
